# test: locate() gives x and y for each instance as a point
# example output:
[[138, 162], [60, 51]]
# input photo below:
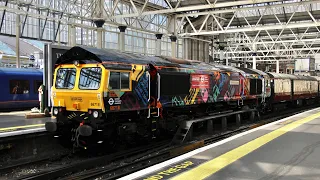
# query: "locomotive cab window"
[[65, 78], [90, 78], [119, 80]]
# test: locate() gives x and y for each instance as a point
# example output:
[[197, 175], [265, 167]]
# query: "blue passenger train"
[[19, 88]]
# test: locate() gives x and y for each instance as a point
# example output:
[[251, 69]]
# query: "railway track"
[[143, 157], [25, 149], [97, 161]]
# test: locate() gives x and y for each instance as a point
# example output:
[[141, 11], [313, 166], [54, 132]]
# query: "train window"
[[125, 79], [114, 80], [19, 86], [173, 84], [90, 78], [119, 80], [37, 84], [65, 78]]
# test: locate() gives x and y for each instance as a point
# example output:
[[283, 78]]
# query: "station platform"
[[287, 149], [15, 123]]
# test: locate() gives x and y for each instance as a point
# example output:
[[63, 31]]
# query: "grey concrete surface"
[[270, 158], [18, 119], [292, 156]]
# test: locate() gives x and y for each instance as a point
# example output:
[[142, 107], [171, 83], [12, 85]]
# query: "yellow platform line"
[[21, 127], [210, 167]]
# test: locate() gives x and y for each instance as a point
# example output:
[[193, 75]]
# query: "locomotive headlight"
[[55, 111], [95, 114]]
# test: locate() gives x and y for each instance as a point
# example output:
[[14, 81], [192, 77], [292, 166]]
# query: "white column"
[[158, 44], [73, 41], [187, 49], [212, 49], [100, 38], [122, 38], [277, 67], [145, 50], [221, 55], [87, 37], [254, 56], [227, 60], [206, 52], [18, 40], [245, 61], [59, 37], [173, 46]]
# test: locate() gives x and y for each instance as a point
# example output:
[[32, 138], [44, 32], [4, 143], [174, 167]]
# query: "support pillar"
[[87, 37], [254, 62], [185, 48], [254, 57], [100, 37], [252, 116], [173, 46], [212, 49], [18, 24], [145, 50], [122, 38], [221, 55], [158, 44], [195, 49], [238, 119], [227, 60], [224, 123], [201, 50], [72, 35], [277, 66], [206, 52], [245, 62], [210, 127], [267, 68], [59, 37]]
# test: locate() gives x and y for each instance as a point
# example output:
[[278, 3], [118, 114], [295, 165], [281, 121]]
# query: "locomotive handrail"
[[147, 73], [158, 94], [149, 111], [158, 87]]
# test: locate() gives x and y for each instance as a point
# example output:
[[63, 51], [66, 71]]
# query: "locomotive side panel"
[[226, 86], [127, 90], [303, 89], [183, 89], [175, 88], [282, 90], [314, 88]]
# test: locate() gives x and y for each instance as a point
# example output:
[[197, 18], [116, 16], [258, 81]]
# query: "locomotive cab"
[[78, 96], [79, 89]]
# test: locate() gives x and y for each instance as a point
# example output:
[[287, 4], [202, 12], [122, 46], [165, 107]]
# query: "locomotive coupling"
[[51, 126], [85, 130]]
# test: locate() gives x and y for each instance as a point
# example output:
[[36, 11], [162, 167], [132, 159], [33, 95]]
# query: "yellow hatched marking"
[[210, 167]]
